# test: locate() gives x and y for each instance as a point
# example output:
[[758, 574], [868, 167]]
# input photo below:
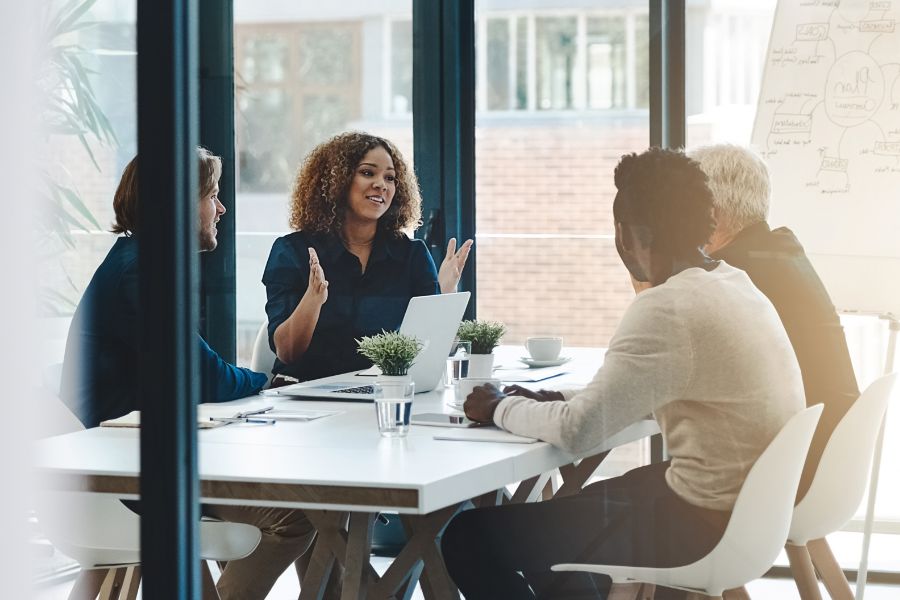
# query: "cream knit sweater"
[[706, 354]]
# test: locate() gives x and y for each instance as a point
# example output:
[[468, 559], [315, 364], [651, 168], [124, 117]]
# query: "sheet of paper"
[[484, 434], [528, 375], [283, 414]]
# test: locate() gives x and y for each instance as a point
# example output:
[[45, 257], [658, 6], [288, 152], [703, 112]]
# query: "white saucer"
[[535, 364]]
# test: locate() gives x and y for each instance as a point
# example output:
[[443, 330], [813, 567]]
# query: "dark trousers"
[[506, 552]]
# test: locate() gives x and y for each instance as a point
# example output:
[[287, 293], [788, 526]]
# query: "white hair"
[[739, 181]]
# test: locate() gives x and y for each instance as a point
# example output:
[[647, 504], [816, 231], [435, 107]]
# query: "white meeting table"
[[343, 474]]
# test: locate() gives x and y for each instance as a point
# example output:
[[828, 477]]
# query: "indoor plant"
[[392, 352], [484, 337]]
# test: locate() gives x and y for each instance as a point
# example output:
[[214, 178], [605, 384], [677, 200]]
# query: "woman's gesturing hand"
[[317, 290], [452, 265]]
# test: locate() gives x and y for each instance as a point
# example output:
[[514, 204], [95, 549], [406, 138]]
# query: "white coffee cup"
[[465, 387], [544, 347]]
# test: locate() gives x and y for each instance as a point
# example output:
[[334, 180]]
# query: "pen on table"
[[243, 420], [249, 413]]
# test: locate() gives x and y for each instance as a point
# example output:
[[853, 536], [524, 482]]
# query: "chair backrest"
[[758, 527], [840, 480], [263, 359]]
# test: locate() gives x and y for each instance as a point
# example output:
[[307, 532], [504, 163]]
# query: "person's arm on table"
[[647, 365], [223, 381]]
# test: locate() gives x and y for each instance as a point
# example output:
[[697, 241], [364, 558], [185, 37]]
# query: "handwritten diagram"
[[828, 120]]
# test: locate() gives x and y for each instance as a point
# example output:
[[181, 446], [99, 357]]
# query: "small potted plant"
[[484, 337], [392, 352]]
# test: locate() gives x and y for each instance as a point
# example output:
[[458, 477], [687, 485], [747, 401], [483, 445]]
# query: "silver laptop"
[[433, 320]]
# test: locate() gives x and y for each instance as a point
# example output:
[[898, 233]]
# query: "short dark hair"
[[125, 201], [665, 193]]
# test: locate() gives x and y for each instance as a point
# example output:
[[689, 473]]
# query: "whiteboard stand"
[[862, 573]]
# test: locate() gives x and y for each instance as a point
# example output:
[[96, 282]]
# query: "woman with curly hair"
[[350, 268]]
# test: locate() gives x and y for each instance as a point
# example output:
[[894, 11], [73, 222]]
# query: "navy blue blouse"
[[358, 303]]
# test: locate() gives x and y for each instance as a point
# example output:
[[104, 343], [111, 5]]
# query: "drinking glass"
[[457, 362], [393, 404]]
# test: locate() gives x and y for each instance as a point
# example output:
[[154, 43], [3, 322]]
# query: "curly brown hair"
[[319, 197]]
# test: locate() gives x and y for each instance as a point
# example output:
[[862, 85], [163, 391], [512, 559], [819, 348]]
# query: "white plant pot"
[[481, 366]]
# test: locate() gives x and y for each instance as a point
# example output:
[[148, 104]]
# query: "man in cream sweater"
[[699, 348]]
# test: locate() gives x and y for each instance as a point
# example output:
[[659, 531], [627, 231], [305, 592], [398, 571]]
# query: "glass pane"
[[401, 67], [87, 84], [325, 56], [96, 72], [606, 62], [725, 54], [547, 263], [301, 80], [266, 155], [265, 60], [555, 62], [498, 74]]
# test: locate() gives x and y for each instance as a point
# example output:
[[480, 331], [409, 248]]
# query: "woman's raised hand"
[[317, 290], [453, 264]]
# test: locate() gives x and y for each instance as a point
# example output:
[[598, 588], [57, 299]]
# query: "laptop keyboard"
[[360, 389]]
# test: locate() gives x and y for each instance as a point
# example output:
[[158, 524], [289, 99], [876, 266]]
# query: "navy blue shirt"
[[100, 372], [358, 303]]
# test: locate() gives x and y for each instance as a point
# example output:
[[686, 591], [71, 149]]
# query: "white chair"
[[836, 492], [263, 359], [103, 536], [756, 531]]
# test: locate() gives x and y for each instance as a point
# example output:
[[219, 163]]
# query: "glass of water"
[[457, 362], [393, 404]]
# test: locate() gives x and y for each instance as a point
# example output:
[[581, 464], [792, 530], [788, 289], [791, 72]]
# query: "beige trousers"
[[286, 535]]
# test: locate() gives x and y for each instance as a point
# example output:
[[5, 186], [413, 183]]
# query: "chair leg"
[[625, 591], [87, 584], [803, 571], [647, 591], [132, 583], [112, 585], [209, 586], [829, 570]]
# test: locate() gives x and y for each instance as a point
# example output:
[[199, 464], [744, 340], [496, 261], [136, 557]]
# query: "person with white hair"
[[777, 264]]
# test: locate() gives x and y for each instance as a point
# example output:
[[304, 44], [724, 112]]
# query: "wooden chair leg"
[[736, 594], [803, 571], [647, 591], [209, 586], [625, 591], [829, 570], [87, 584], [112, 585], [132, 583]]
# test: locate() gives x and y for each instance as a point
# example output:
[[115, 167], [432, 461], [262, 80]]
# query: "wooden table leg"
[[132, 583], [336, 544], [87, 584], [359, 548], [574, 475], [112, 585], [435, 580]]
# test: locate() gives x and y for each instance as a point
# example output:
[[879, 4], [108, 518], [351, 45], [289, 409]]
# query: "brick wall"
[[556, 180]]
